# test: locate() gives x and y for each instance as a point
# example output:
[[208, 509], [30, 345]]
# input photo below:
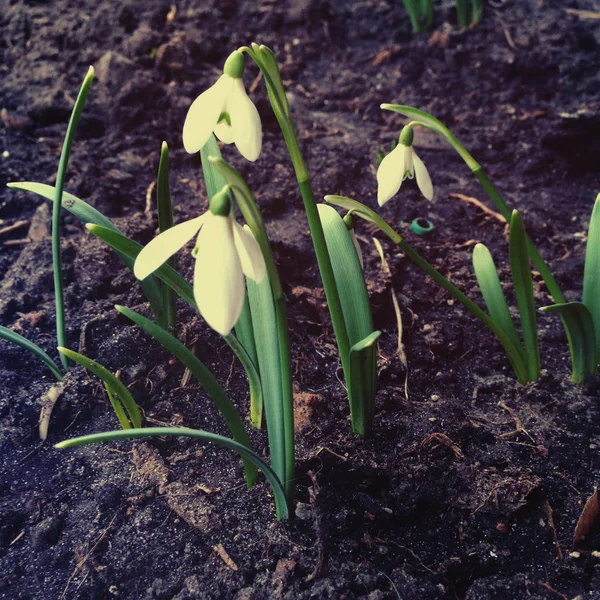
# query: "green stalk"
[[165, 221], [285, 411], [61, 335], [412, 9], [266, 62]]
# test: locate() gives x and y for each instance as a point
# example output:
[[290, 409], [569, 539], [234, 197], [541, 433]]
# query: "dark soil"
[[469, 488]]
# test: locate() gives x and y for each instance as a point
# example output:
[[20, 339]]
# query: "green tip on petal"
[[234, 65], [220, 204], [407, 136]]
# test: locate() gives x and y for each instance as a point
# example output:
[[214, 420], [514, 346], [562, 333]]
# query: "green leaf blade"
[[15, 338], [523, 284], [591, 274], [118, 394], [581, 336]]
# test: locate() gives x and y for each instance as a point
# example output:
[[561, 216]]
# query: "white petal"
[[245, 122], [409, 168], [390, 174], [423, 179], [203, 116], [251, 258], [223, 129], [162, 247], [218, 279]]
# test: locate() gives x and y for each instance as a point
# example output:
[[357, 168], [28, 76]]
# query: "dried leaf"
[[586, 521]]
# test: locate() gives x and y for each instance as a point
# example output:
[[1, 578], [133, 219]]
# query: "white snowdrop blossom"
[[399, 164], [226, 110], [224, 252]]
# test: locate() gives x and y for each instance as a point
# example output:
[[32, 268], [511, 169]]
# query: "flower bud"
[[406, 136], [234, 65], [220, 205]]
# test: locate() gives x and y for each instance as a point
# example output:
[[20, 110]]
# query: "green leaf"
[[119, 396], [266, 339], [88, 214], [523, 284], [581, 337], [354, 299], [109, 436], [61, 334], [591, 274], [15, 338], [165, 221], [203, 375], [487, 277], [244, 330], [362, 384]]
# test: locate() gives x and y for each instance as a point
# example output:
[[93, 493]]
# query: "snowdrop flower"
[[226, 110], [399, 164], [224, 252]]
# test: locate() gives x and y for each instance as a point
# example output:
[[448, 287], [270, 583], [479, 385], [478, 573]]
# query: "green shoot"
[[352, 290], [581, 338], [203, 375], [61, 335], [15, 338], [420, 13], [591, 274], [165, 221], [122, 401], [281, 506], [523, 284]]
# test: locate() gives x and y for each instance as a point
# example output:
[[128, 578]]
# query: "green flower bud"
[[406, 136], [234, 65], [220, 205], [348, 222]]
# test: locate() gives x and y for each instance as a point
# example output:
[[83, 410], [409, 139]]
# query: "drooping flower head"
[[224, 253], [226, 110], [399, 164]]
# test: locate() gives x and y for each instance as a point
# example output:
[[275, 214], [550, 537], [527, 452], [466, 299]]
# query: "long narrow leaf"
[[581, 337], [119, 396], [88, 214], [363, 382], [262, 309], [489, 283], [165, 221], [591, 274], [244, 330], [15, 338], [110, 436], [523, 284], [61, 335], [203, 375], [354, 298]]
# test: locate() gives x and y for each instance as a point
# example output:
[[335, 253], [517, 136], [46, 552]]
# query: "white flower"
[[226, 110], [399, 164], [225, 252]]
